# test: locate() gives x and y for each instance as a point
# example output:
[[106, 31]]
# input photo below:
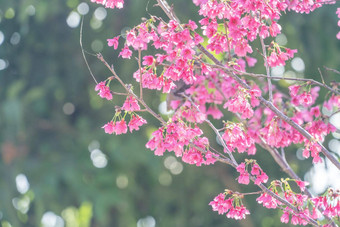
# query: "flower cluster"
[[110, 3], [104, 91], [278, 57], [239, 102], [120, 127], [300, 201], [268, 201], [183, 68], [236, 137], [303, 98], [184, 140], [256, 171], [230, 206], [329, 203]]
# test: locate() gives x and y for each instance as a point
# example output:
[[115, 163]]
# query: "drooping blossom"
[[131, 104], [135, 122], [121, 127], [109, 128], [104, 91]]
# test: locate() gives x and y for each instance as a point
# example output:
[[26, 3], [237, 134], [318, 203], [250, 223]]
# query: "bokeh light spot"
[[22, 183], [50, 219], [68, 108], [281, 39], [2, 37], [122, 181], [278, 71], [98, 158], [73, 20], [97, 45], [94, 145], [15, 38], [100, 13], [148, 221], [3, 64], [30, 10], [10, 13], [83, 8], [165, 179], [298, 64]]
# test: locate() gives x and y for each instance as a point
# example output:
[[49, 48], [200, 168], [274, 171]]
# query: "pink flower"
[[110, 3], [302, 185], [267, 201], [113, 42], [241, 167], [239, 212], [251, 61], [125, 53], [306, 99], [130, 104], [148, 60], [100, 86], [315, 111], [192, 25], [109, 128], [221, 205], [285, 217], [291, 52], [121, 127], [255, 170], [187, 53], [294, 89], [295, 220], [214, 112], [262, 178], [135, 122], [104, 91], [244, 178]]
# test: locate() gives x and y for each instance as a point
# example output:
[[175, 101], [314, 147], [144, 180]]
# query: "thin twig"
[[128, 89], [275, 78], [82, 50], [332, 70], [270, 87], [140, 73]]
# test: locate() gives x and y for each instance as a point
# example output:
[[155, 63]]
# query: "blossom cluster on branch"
[[201, 87]]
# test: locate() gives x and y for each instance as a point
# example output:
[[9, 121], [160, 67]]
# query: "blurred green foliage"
[[51, 118]]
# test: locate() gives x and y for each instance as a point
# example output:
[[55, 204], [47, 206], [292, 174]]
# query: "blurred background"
[[58, 167]]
